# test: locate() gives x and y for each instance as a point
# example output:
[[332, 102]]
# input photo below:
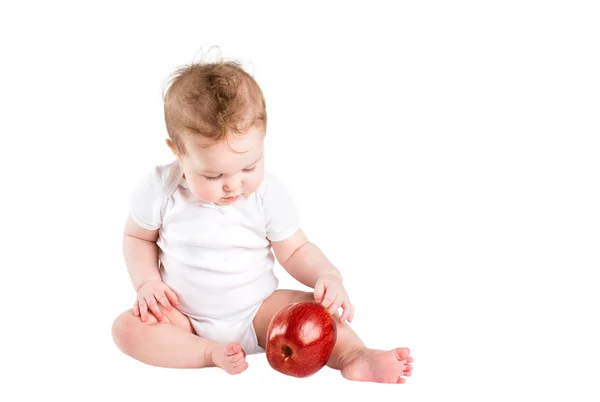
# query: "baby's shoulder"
[[273, 190], [150, 197], [161, 178], [270, 182]]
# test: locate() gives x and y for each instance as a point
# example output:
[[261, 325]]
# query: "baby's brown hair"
[[212, 100]]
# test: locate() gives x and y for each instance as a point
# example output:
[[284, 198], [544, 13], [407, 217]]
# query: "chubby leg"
[[173, 343], [350, 355]]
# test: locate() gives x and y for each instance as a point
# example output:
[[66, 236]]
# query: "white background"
[[444, 155]]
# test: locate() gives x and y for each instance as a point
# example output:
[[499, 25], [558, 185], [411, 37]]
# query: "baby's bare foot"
[[230, 357], [378, 366]]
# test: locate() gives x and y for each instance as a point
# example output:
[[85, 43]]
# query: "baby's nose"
[[232, 185]]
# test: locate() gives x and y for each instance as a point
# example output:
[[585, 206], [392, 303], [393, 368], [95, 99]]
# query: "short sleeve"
[[281, 217], [147, 201]]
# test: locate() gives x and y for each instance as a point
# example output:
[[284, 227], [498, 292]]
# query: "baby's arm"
[[141, 258], [141, 253], [306, 263], [303, 259]]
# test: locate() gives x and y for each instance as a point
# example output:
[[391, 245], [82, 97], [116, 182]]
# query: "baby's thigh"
[[128, 329], [271, 305], [174, 316]]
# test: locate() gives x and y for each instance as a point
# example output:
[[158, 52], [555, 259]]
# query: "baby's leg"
[[173, 343], [350, 355]]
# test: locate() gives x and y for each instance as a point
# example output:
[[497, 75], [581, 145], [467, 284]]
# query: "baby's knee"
[[285, 296], [126, 328], [298, 296], [120, 329]]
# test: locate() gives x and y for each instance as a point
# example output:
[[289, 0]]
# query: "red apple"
[[300, 338]]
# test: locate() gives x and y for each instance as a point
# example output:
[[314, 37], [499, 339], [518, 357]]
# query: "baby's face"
[[225, 171]]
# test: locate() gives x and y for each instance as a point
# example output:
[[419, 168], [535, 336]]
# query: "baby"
[[203, 233]]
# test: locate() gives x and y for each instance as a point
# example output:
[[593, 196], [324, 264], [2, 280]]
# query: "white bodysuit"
[[217, 259]]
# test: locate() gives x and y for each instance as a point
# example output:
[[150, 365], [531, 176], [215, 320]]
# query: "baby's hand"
[[148, 295], [330, 292]]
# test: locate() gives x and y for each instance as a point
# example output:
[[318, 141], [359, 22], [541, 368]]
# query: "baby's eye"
[[249, 169], [213, 177]]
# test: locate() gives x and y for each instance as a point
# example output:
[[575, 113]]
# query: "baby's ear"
[[172, 147]]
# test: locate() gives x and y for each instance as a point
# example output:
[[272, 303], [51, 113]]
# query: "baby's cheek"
[[206, 192], [252, 184], [211, 193]]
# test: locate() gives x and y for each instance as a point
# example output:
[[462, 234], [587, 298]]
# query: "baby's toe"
[[233, 348], [408, 367], [239, 363], [402, 353], [241, 368], [236, 357]]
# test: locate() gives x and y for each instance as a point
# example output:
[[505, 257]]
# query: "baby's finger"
[[347, 309], [135, 309], [329, 301], [154, 308], [335, 306], [164, 301], [172, 297], [143, 311], [351, 313], [319, 291]]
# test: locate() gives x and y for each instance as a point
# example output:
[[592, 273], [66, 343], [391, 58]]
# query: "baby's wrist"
[[332, 275], [147, 281]]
